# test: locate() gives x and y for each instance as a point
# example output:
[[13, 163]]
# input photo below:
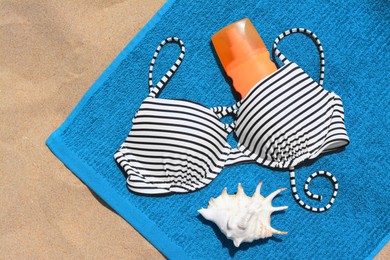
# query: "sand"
[[51, 52]]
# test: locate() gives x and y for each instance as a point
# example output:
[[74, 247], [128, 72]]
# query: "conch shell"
[[242, 218]]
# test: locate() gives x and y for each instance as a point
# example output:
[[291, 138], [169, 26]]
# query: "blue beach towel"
[[355, 38]]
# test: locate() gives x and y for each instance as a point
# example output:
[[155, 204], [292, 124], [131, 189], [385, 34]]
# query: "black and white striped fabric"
[[178, 146], [288, 118], [175, 146]]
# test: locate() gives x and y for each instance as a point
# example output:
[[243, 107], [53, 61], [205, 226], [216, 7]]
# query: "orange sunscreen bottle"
[[243, 55]]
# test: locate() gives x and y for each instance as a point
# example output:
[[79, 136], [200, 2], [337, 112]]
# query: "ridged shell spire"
[[242, 218]]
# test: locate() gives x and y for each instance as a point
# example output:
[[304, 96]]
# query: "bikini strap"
[[275, 50], [235, 156], [311, 195], [222, 111], [155, 90]]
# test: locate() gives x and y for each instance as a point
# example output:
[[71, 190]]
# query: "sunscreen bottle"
[[243, 55]]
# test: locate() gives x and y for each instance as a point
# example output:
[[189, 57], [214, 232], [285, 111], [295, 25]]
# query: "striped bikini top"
[[178, 146]]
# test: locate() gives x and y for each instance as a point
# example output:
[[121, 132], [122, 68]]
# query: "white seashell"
[[242, 218]]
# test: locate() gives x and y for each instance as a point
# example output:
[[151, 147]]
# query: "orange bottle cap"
[[243, 55], [237, 42]]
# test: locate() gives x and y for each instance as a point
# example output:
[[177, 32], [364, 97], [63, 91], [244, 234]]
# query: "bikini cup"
[[174, 146], [288, 118]]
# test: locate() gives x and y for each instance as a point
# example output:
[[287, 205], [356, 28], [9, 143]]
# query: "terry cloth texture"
[[354, 35]]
